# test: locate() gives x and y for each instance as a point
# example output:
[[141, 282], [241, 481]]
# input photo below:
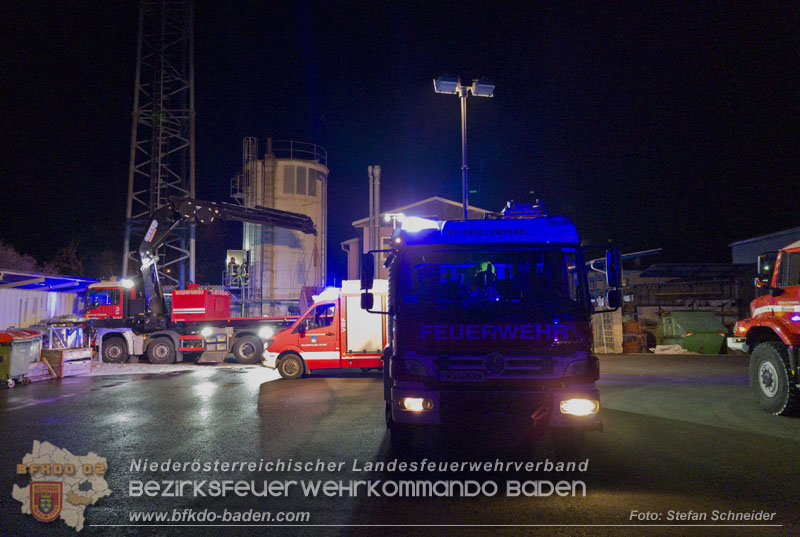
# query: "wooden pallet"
[[60, 363]]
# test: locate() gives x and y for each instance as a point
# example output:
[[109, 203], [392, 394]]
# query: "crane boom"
[[183, 209]]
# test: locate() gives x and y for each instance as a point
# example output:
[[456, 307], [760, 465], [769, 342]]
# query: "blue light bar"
[[542, 230]]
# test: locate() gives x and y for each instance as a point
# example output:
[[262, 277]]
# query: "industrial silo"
[[292, 176]]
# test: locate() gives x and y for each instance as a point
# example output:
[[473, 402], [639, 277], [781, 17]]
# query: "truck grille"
[[515, 366], [493, 402]]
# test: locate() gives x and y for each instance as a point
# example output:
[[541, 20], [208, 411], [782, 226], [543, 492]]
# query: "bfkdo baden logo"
[[62, 484], [46, 497]]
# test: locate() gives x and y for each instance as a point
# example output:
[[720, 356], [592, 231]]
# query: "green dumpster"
[[18, 348], [695, 331]]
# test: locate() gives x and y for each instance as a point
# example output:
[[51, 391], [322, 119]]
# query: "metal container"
[[695, 331], [18, 349]]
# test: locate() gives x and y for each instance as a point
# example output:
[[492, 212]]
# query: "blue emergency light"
[[543, 230]]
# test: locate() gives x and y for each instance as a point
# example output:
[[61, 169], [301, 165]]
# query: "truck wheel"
[[769, 378], [161, 351], [248, 350], [115, 350], [291, 366]]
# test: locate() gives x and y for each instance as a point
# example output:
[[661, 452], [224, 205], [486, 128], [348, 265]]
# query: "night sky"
[[671, 125]]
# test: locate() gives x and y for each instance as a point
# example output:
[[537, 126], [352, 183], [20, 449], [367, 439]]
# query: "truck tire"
[[115, 350], [161, 351], [769, 378], [291, 366], [248, 350]]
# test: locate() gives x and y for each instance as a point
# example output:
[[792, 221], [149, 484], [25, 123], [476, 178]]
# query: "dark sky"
[[671, 125]]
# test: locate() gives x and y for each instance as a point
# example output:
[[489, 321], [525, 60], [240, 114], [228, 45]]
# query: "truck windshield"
[[478, 279], [102, 297]]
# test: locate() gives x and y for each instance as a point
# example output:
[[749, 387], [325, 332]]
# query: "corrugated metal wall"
[[20, 308]]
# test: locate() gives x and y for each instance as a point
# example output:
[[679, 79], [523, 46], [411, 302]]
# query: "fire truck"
[[133, 318], [772, 333], [492, 319], [334, 333]]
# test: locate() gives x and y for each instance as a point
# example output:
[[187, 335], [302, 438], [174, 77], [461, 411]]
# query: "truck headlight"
[[266, 332], [206, 331], [580, 407], [415, 404]]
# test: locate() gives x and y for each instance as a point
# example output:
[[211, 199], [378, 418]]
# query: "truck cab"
[[490, 321], [113, 303], [772, 332]]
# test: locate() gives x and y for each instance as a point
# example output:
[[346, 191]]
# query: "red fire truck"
[[490, 321], [133, 318], [772, 333], [200, 326], [334, 333]]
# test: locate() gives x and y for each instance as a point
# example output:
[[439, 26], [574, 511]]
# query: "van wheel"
[[769, 378], [291, 366], [115, 350], [161, 351], [248, 350]]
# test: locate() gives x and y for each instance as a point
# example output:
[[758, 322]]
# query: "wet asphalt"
[[681, 434]]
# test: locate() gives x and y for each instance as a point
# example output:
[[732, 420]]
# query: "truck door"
[[319, 336], [104, 304], [787, 303]]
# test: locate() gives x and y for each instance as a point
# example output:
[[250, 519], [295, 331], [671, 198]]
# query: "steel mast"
[[162, 153]]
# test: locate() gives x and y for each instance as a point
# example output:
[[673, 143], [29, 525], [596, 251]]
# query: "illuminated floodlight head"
[[126, 283], [397, 217], [482, 88], [414, 224], [446, 84], [206, 331], [330, 293]]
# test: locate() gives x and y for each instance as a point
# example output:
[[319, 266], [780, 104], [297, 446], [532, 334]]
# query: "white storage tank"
[[292, 176]]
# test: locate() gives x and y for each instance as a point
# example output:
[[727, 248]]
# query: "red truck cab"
[[772, 332]]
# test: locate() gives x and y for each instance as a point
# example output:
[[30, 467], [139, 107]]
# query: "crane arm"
[[180, 210]]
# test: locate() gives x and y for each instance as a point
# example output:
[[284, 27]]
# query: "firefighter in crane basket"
[[234, 279]]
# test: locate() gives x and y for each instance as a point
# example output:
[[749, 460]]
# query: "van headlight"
[[266, 332]]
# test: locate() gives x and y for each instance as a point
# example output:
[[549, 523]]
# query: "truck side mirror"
[[367, 271], [367, 301]]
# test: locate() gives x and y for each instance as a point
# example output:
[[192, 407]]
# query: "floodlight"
[[482, 88], [446, 84]]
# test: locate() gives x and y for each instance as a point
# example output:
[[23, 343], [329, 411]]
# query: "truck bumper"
[[542, 409], [270, 359], [736, 343]]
